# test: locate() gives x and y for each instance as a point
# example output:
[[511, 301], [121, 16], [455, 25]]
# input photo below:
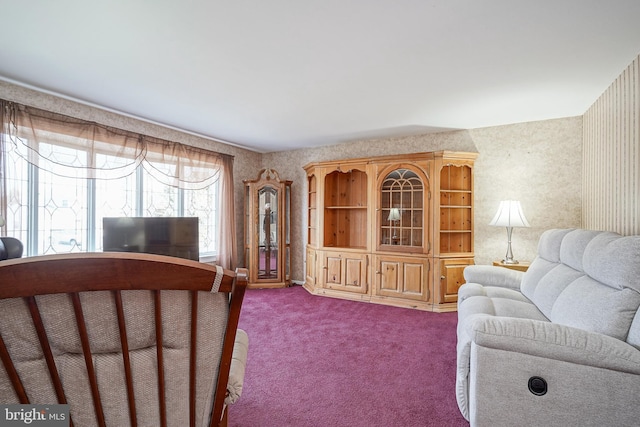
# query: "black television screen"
[[173, 236]]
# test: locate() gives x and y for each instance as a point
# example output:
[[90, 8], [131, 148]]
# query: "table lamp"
[[394, 217], [509, 215]]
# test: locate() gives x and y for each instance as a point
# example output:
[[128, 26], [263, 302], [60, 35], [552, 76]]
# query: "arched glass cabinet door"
[[267, 231], [402, 210]]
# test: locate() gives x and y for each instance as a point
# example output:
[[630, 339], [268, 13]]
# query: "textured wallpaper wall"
[[538, 163]]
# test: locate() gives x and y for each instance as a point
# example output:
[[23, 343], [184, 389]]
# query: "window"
[[66, 213], [59, 184]]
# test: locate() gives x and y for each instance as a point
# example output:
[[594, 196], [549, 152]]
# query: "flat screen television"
[[173, 236]]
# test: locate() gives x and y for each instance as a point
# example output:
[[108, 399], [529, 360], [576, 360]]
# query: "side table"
[[521, 266]]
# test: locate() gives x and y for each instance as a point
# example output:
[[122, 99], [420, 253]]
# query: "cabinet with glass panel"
[[267, 230], [401, 265], [377, 228]]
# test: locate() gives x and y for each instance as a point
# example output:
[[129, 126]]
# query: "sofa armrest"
[[490, 275], [499, 357], [237, 369], [553, 341]]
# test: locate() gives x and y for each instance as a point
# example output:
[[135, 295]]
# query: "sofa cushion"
[[475, 289], [614, 260], [551, 285], [501, 307], [633, 337], [547, 259], [573, 247], [491, 275], [587, 279], [549, 244], [588, 305]]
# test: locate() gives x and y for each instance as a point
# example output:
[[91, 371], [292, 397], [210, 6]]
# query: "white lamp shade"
[[509, 215], [394, 214]]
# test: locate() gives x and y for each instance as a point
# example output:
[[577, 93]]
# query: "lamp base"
[[508, 257]]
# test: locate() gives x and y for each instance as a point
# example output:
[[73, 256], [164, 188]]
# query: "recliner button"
[[537, 386]]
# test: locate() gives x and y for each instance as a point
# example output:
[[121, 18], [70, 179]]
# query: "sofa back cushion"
[[589, 280]]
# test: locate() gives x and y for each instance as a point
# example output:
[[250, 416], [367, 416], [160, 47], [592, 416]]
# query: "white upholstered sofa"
[[557, 345]]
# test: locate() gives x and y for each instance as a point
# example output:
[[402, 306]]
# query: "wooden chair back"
[[122, 338]]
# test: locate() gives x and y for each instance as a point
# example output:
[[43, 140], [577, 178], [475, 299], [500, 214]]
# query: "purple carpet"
[[318, 361]]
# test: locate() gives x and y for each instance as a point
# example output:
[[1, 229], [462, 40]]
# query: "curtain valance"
[[62, 145]]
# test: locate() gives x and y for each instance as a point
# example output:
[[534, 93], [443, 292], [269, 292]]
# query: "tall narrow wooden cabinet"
[[267, 230], [395, 230]]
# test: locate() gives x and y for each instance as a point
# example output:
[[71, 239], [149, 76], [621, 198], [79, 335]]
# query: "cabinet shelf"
[[455, 241], [345, 209], [360, 248], [456, 209], [455, 177], [458, 198]]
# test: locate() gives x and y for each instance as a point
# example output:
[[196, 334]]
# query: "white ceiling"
[[282, 74]]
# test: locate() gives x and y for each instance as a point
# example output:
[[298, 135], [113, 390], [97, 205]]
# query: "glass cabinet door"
[[402, 209], [267, 231]]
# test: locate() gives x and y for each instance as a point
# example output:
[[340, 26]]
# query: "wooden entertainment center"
[[394, 230]]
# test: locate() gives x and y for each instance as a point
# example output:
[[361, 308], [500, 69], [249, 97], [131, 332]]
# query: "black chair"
[[10, 247]]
